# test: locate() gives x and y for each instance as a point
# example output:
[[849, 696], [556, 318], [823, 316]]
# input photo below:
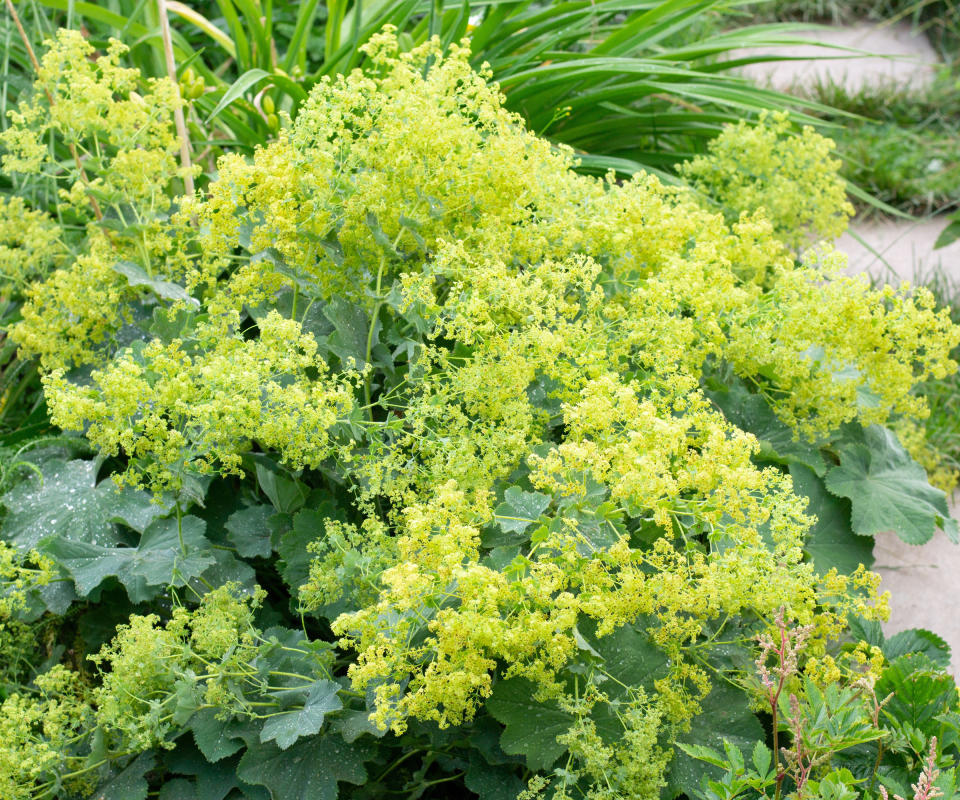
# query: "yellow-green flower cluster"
[[837, 350], [37, 725], [174, 411], [467, 616], [18, 575], [147, 670], [206, 651], [72, 317], [354, 197], [37, 730], [126, 140], [30, 245], [632, 766], [760, 166], [358, 153]]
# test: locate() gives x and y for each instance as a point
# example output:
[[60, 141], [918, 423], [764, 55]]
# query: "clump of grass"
[[905, 151], [915, 171]]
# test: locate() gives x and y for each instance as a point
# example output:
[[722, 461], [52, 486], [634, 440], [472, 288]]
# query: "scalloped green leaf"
[[830, 542], [178, 789], [351, 323], [309, 770], [629, 657], [131, 783], [295, 558], [889, 490], [491, 782], [208, 781], [532, 727], [165, 557], [90, 565], [249, 530], [285, 729], [285, 492], [170, 554], [217, 739], [65, 501], [518, 511]]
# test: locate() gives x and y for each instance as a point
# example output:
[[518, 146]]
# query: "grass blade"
[[201, 22], [249, 79]]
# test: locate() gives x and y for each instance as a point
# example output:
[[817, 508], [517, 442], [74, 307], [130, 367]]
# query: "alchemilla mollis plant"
[[403, 460]]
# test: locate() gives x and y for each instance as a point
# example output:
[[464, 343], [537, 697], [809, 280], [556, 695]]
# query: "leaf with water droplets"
[[532, 728], [165, 557], [133, 508], [249, 530], [88, 564], [309, 770], [170, 554], [216, 738], [131, 783], [285, 729], [65, 501]]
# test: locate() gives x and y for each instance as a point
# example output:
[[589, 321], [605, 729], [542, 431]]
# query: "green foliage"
[[629, 84], [310, 770], [901, 145], [422, 459], [888, 489], [859, 737], [61, 500], [832, 541]]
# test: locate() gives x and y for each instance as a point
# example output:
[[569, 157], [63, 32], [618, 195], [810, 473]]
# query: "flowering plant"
[[421, 459]]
